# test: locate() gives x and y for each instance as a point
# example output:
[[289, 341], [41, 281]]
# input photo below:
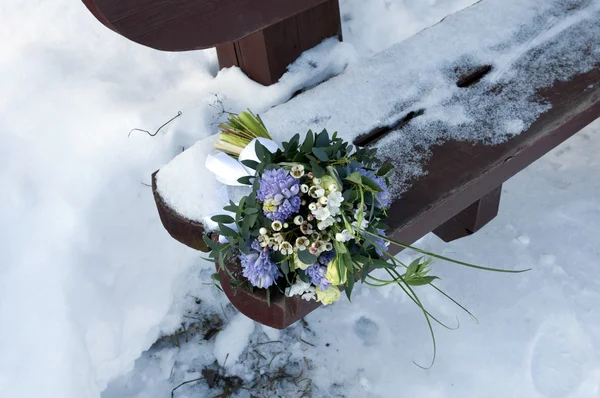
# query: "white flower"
[[303, 289], [316, 191], [263, 231], [334, 211], [312, 206], [321, 213], [323, 200], [302, 243], [298, 220], [276, 225], [335, 199], [316, 181], [328, 246], [264, 240], [344, 236], [364, 224], [304, 188], [317, 247], [306, 228], [297, 171], [285, 225], [278, 238], [286, 248], [310, 295], [326, 223]]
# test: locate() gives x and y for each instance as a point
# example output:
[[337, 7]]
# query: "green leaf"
[[226, 231], [246, 180], [426, 280], [371, 262], [354, 178], [322, 139], [306, 257], [243, 246], [320, 154], [277, 257], [285, 268], [250, 163], [308, 143], [251, 210], [260, 150], [222, 219], [231, 208], [317, 170], [209, 242], [252, 219], [412, 268], [340, 247], [385, 169], [349, 286], [371, 184]]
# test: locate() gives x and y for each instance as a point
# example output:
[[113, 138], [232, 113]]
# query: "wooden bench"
[[262, 37], [460, 191]]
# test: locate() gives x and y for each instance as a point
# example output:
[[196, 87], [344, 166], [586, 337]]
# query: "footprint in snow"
[[367, 330], [561, 357]]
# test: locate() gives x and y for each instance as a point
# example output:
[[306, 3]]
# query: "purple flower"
[[379, 243], [258, 267], [382, 199], [326, 257], [279, 193], [316, 273]]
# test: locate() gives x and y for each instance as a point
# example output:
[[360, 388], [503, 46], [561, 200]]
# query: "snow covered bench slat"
[[453, 140]]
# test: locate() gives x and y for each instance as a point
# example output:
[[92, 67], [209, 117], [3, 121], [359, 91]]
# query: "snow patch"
[[232, 341]]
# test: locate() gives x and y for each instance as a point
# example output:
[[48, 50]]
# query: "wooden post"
[[471, 219], [265, 55]]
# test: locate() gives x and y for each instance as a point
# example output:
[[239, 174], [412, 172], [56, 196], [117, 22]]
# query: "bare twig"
[[306, 342], [156, 132], [184, 383]]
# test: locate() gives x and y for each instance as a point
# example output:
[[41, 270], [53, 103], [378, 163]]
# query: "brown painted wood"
[[458, 174], [186, 231], [282, 312], [183, 25], [471, 219], [265, 55]]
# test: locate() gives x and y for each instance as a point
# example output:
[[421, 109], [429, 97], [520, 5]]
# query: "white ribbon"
[[227, 170]]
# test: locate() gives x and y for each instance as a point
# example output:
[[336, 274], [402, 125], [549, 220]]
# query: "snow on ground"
[[89, 279]]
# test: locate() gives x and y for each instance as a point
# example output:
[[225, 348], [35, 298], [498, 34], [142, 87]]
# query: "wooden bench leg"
[[265, 55], [471, 219]]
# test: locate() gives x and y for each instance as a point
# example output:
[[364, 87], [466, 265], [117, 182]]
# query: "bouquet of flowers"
[[312, 221]]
